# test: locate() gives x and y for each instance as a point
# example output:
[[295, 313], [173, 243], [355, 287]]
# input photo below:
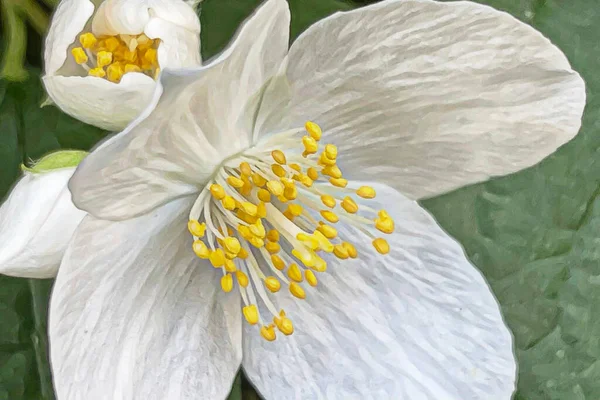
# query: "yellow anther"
[[228, 203], [261, 210], [381, 245], [383, 214], [313, 130], [295, 209], [267, 332], [243, 254], [249, 219], [290, 193], [79, 55], [88, 40], [324, 161], [247, 188], [333, 171], [308, 258], [111, 43], [277, 262], [340, 251], [278, 170], [196, 228], [309, 241], [103, 58], [232, 245], [320, 265], [217, 258], [294, 273], [306, 181], [278, 156], [229, 265], [227, 283], [249, 208], [264, 195], [385, 225], [97, 72], [272, 247], [258, 229], [200, 249], [366, 192], [245, 168], [296, 167], [245, 232], [349, 205], [330, 216], [331, 151], [251, 314], [272, 284], [310, 277], [258, 180], [297, 290], [339, 182], [151, 56], [217, 191], [275, 187], [312, 173], [284, 325], [324, 243], [329, 231], [229, 256], [288, 183], [328, 200], [256, 242], [129, 56], [235, 182], [242, 278], [350, 249], [132, 68], [310, 145], [273, 235], [114, 72]]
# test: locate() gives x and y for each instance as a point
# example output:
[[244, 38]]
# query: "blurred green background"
[[535, 235]]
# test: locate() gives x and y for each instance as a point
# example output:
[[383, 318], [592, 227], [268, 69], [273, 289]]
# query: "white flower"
[[418, 96], [38, 218], [102, 57]]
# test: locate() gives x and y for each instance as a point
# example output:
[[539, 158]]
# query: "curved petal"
[[134, 314], [69, 19], [429, 96], [37, 221], [418, 323], [187, 131], [99, 102], [179, 47]]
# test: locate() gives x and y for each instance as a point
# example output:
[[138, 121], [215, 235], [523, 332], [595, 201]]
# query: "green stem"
[[35, 14], [14, 53]]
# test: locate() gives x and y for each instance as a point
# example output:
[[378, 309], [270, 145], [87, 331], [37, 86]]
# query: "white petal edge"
[[192, 124], [37, 221], [179, 47], [67, 22], [97, 101], [419, 323], [135, 314], [429, 96]]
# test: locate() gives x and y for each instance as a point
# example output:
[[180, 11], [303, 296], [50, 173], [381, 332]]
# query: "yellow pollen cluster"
[[111, 57], [270, 208]]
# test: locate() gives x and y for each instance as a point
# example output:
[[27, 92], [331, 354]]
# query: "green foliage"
[[535, 234]]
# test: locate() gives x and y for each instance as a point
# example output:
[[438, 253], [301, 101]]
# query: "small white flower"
[[102, 57], [227, 206], [38, 218]]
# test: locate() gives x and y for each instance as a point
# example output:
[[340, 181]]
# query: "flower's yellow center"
[[281, 208], [111, 57]]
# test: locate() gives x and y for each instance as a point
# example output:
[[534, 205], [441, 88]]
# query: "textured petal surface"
[[428, 96], [179, 47], [419, 323], [37, 221], [68, 21], [99, 102], [186, 132], [134, 314]]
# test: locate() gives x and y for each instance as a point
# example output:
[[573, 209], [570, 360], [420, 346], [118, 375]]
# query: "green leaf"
[[535, 234]]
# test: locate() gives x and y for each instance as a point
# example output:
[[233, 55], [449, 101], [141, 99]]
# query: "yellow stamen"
[[272, 247], [328, 200], [310, 145], [261, 210], [366, 192], [228, 203], [79, 55], [217, 258], [103, 58], [268, 333], [277, 262], [294, 273], [217, 191], [235, 182], [331, 151], [295, 209], [332, 171], [329, 231], [249, 208], [340, 251], [97, 72], [313, 130], [251, 314], [264, 195], [242, 278], [312, 174], [284, 325], [385, 225], [132, 68], [227, 283], [196, 228], [273, 235], [278, 170], [290, 193], [230, 265], [330, 216], [275, 187], [88, 40], [279, 157], [114, 72], [258, 180], [349, 205], [381, 245], [310, 277], [200, 249], [339, 182], [232, 245], [350, 249], [243, 254], [272, 284], [297, 291]]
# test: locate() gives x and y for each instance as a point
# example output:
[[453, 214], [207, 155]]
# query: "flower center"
[[268, 217], [111, 57]]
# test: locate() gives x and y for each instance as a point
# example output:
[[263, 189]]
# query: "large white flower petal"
[[429, 96], [69, 19], [179, 47], [134, 314], [185, 133], [37, 221], [98, 101], [419, 323]]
